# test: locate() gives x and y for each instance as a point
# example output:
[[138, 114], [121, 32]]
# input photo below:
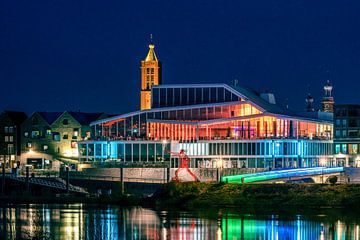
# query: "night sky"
[[85, 55]]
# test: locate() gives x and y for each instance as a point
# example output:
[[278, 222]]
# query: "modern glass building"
[[213, 123]]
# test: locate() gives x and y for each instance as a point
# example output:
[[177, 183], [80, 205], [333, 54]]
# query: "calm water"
[[78, 221]]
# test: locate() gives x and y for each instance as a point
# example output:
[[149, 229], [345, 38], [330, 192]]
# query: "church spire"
[[328, 99], [150, 76], [151, 56]]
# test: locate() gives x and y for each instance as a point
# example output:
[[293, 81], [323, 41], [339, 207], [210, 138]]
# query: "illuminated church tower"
[[328, 99], [150, 75]]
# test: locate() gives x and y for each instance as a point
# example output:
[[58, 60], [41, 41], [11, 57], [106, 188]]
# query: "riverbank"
[[207, 195], [197, 195]]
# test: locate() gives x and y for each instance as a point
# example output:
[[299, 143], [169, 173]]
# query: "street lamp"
[[164, 142], [219, 165]]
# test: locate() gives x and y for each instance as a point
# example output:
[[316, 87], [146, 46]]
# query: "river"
[[80, 221]]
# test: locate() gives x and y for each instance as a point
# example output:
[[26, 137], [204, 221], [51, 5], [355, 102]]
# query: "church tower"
[[150, 75], [328, 99]]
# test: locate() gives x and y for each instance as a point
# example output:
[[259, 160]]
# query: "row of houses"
[[43, 139]]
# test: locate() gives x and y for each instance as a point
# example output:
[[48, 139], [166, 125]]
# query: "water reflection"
[[93, 222]]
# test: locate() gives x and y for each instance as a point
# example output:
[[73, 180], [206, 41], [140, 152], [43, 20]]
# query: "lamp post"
[[164, 142]]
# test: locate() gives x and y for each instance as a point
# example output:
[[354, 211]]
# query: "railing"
[[115, 179], [48, 182]]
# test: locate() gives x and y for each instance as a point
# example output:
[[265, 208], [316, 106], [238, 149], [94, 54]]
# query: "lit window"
[[75, 133], [343, 148], [35, 134], [354, 148], [56, 136], [28, 145], [337, 148], [45, 147], [26, 134], [11, 138], [74, 144], [10, 149], [48, 131], [6, 138]]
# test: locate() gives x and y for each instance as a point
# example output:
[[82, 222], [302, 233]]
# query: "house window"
[[65, 122], [337, 133], [76, 132], [354, 148], [88, 135], [344, 133], [343, 149], [35, 134], [74, 144], [11, 129], [337, 148], [344, 122], [48, 131], [65, 135], [10, 149], [337, 122], [6, 129], [28, 145], [26, 134], [11, 138], [45, 147], [56, 136], [6, 138]]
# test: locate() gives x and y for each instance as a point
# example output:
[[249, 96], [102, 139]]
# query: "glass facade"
[[253, 154], [183, 96], [210, 122]]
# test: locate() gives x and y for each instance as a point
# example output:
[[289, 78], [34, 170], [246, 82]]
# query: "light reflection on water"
[[77, 221]]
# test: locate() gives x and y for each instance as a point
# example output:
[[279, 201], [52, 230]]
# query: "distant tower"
[[150, 75], [328, 100], [309, 103]]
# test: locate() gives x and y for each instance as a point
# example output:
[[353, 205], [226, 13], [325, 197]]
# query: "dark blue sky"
[[70, 55]]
